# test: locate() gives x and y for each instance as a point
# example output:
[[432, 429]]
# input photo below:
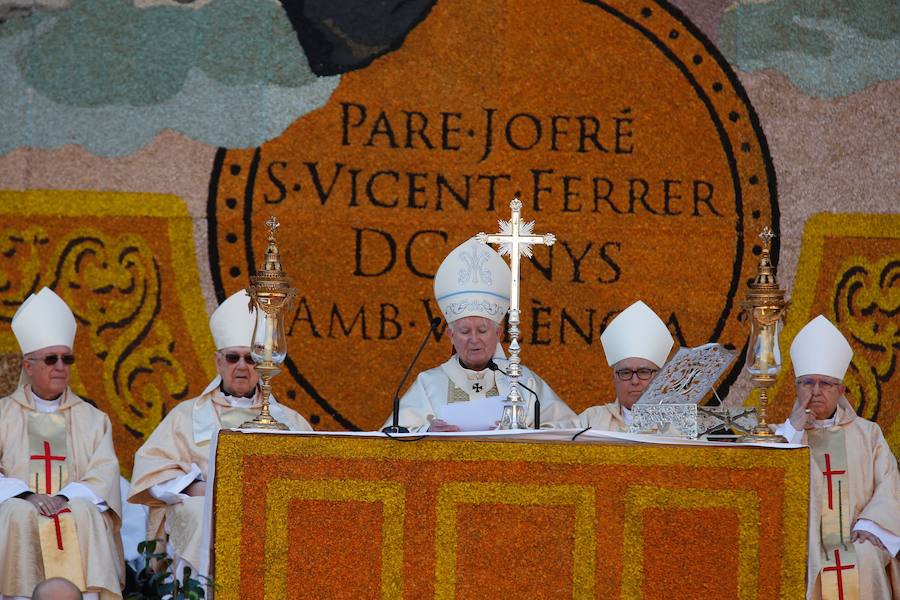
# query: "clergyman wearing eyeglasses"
[[60, 506], [636, 344], [171, 468], [854, 524]]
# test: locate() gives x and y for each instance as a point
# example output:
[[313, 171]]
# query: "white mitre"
[[637, 332], [44, 320], [473, 281], [232, 323], [820, 349]]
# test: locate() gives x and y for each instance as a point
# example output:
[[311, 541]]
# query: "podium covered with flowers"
[[527, 515]]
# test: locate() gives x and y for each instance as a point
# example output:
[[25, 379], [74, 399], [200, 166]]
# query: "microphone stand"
[[395, 427], [537, 401]]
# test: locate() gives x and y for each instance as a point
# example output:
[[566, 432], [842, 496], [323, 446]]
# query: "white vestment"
[[177, 453], [92, 489], [874, 497], [605, 417], [433, 389]]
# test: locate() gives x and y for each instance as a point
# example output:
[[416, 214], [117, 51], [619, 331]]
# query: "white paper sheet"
[[480, 414]]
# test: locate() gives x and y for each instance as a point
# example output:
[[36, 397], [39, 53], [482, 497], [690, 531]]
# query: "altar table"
[[505, 516]]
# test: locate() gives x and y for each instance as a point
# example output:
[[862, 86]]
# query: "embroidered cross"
[[47, 457], [828, 473], [55, 517], [838, 567], [477, 387]]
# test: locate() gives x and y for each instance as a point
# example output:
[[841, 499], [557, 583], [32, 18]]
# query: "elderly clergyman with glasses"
[[636, 344], [170, 469], [60, 505], [854, 525]]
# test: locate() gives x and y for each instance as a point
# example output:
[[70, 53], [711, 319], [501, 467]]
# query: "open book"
[[689, 375]]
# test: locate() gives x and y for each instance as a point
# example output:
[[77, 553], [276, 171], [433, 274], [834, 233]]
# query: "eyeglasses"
[[51, 359], [233, 357], [643, 374], [808, 383]]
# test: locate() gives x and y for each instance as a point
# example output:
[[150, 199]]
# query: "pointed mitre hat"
[[637, 332], [232, 323], [820, 349], [43, 320], [473, 281]]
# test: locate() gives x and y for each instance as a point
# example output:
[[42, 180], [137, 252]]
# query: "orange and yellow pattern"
[[348, 517], [125, 264]]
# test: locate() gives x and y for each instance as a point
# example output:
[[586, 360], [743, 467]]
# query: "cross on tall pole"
[[515, 238]]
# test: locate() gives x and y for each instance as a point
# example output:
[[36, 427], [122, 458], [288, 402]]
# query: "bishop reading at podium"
[[472, 288]]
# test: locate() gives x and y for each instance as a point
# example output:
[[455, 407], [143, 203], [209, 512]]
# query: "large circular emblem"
[[618, 124]]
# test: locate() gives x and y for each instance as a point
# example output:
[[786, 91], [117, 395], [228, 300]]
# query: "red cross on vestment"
[[839, 567], [47, 457], [828, 473], [55, 518]]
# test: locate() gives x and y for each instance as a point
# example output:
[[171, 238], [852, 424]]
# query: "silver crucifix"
[[515, 238]]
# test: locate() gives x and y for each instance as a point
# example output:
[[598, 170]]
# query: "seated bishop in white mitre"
[[171, 467], [636, 344], [854, 506], [472, 288], [60, 504]]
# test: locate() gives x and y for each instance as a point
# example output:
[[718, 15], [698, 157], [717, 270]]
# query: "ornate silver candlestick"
[[515, 239]]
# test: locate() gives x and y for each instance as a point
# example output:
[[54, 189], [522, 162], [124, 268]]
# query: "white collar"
[[238, 401], [474, 383], [45, 406], [825, 424]]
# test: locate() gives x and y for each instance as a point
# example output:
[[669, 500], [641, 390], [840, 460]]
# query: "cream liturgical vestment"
[[605, 417], [863, 488], [450, 382], [854, 481], [177, 453], [63, 446]]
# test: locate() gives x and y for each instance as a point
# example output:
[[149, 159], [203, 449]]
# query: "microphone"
[[537, 401], [395, 426]]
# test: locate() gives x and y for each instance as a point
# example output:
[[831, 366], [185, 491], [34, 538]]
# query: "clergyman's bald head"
[[56, 588]]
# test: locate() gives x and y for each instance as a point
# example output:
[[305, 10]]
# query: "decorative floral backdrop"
[[654, 139]]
